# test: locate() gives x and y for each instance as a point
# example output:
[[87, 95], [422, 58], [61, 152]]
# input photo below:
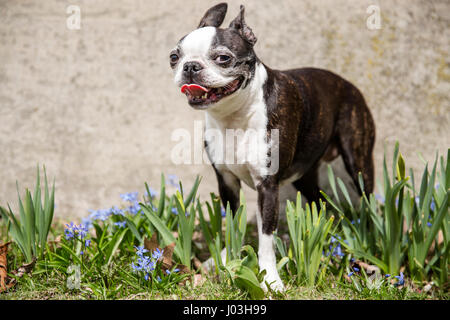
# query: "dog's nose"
[[192, 67]]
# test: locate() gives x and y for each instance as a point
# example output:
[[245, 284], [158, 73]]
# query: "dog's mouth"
[[202, 96]]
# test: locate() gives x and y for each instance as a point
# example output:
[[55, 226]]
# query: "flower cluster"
[[72, 231], [335, 247], [146, 264], [132, 198]]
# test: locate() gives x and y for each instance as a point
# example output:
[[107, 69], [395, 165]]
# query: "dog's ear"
[[245, 31], [214, 16]]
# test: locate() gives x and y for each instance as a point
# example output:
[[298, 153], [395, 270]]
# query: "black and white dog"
[[314, 114]]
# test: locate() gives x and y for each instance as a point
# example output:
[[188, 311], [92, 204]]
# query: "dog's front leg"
[[267, 220]]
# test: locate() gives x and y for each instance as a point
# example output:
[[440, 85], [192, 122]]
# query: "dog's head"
[[212, 64]]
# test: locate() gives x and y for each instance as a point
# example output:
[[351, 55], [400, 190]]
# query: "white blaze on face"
[[196, 46]]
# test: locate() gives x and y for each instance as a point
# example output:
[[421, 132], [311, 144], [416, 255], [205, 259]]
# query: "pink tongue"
[[193, 89]]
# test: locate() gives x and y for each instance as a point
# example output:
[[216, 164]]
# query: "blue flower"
[[70, 231], [429, 224], [140, 251], [99, 214], [174, 211], [387, 275], [134, 208], [356, 269], [152, 194], [87, 243], [130, 197], [120, 224], [350, 274], [401, 280], [223, 212], [116, 211], [82, 231], [433, 205], [157, 254], [87, 223]]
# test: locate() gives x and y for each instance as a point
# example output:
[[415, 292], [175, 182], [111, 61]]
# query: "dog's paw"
[[274, 281]]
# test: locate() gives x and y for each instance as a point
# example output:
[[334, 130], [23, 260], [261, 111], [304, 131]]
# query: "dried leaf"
[[25, 268], [167, 261], [370, 269], [152, 244], [55, 244], [168, 253], [5, 282]]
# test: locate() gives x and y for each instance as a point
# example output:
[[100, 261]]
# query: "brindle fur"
[[319, 116]]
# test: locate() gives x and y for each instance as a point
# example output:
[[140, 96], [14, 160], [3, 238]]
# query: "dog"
[[315, 114]]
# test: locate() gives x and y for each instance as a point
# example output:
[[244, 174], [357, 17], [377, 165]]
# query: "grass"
[[52, 285], [149, 248]]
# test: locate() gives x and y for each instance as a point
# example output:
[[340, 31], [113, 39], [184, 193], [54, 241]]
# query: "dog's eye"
[[174, 58], [223, 58]]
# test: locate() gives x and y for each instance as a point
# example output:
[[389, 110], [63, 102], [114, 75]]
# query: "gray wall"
[[98, 105]]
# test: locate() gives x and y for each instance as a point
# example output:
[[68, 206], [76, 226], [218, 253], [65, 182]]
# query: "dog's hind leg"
[[308, 185], [356, 138]]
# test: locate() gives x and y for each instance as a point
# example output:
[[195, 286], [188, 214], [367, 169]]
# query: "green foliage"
[[212, 229], [186, 223], [308, 230], [30, 232], [400, 229], [245, 274], [404, 228]]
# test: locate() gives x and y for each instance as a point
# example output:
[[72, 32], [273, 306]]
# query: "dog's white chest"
[[237, 142], [239, 147]]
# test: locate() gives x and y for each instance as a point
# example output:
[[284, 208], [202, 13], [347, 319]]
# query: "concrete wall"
[[98, 105]]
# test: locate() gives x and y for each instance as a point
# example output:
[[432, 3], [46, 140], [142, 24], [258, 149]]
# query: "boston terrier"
[[315, 115]]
